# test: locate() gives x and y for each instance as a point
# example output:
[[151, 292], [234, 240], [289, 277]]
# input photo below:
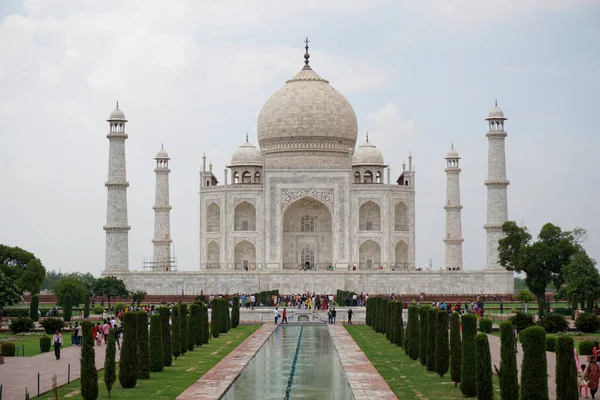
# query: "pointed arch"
[[246, 177], [213, 218], [257, 177], [357, 177], [368, 177], [401, 254], [369, 255], [244, 256], [401, 217], [369, 217], [213, 255], [244, 217]]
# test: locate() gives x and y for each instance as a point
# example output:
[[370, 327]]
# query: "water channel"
[[317, 371]]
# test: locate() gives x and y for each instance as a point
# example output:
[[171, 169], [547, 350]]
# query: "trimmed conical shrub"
[[215, 317], [33, 308], [67, 307], [534, 385], [368, 311], [398, 324], [468, 385], [441, 343], [431, 333], [204, 324], [183, 322], [455, 348], [508, 374], [143, 363], [89, 374], [485, 387], [226, 317], [110, 368], [423, 334], [195, 333], [383, 315], [157, 357], [175, 332], [235, 312], [376, 304], [165, 317], [566, 370], [412, 334], [128, 360], [86, 306]]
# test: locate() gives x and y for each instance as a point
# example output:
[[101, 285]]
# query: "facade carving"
[[290, 195]]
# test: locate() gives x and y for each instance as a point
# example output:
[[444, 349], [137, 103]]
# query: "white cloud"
[[388, 122]]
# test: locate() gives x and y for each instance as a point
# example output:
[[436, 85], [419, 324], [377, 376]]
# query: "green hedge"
[[398, 324], [341, 295], [183, 322], [587, 323], [175, 332], [586, 348], [485, 387], [205, 327], [195, 332], [533, 384], [265, 297], [566, 370], [128, 361], [33, 307], [554, 323], [45, 343], [455, 348], [468, 357], [165, 317], [21, 324], [521, 320], [382, 318], [431, 334], [7, 349], [215, 317], [157, 357], [89, 373], [412, 332], [110, 365], [509, 385], [368, 312], [423, 334], [51, 325], [235, 312], [442, 351], [551, 343], [143, 362], [485, 325], [67, 307]]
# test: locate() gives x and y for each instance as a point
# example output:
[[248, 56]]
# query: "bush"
[[431, 332], [562, 310], [45, 343], [157, 358], [21, 324], [183, 321], [455, 348], [389, 329], [590, 299], [194, 334], [485, 325], [533, 384], [119, 307], [485, 388], [165, 317], [98, 310], [235, 312], [51, 325], [586, 348], [412, 332], [7, 349], [441, 343], [554, 323], [423, 334], [382, 319], [33, 307], [89, 374], [204, 324], [587, 323], [566, 370], [551, 343], [86, 306], [508, 374], [375, 317], [143, 361], [368, 311], [468, 357], [128, 361], [175, 332], [225, 318], [215, 316], [398, 324], [521, 320], [67, 307], [110, 371]]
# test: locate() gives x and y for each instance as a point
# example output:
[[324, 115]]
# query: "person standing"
[[592, 374], [76, 335], [333, 315], [58, 341], [501, 307], [276, 315], [350, 313], [284, 317], [105, 330], [329, 316]]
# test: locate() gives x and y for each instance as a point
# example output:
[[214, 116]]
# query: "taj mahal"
[[307, 210]]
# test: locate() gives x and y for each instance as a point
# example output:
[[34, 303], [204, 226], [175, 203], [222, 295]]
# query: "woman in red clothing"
[[592, 374]]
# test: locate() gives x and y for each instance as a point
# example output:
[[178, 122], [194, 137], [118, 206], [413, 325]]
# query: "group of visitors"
[[588, 377]]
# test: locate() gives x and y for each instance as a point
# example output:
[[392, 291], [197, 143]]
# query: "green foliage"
[[389, 329], [157, 357], [69, 286], [423, 334], [590, 299], [33, 307], [485, 387], [375, 317], [175, 332], [431, 333], [574, 302], [224, 317], [582, 279], [551, 343], [586, 348], [45, 343], [7, 349], [67, 307], [534, 385], [89, 374], [441, 343], [120, 306], [194, 332], [9, 294], [98, 309], [521, 320], [20, 271], [508, 373], [455, 347], [143, 361], [128, 362], [21, 324], [165, 317], [554, 323], [86, 307], [137, 297], [368, 308], [398, 337], [485, 325], [382, 318], [183, 321], [412, 333], [468, 357], [566, 370], [110, 286], [51, 325], [235, 312], [524, 296], [205, 326], [110, 369], [587, 323]]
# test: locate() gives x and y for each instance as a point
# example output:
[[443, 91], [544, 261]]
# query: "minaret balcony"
[[162, 170], [162, 241], [162, 208], [116, 184], [492, 227], [117, 135], [454, 241], [117, 228], [453, 207], [496, 134], [498, 183]]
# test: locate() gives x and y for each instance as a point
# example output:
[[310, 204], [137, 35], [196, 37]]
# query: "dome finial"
[[162, 147], [452, 146], [306, 54], [246, 136], [367, 136], [496, 103], [117, 104]]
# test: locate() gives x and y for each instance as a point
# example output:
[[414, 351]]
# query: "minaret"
[[453, 239], [117, 229], [162, 214], [497, 202]]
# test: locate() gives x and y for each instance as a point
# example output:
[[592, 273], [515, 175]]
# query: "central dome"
[[307, 115]]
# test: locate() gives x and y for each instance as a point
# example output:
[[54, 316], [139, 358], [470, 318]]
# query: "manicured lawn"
[[173, 380], [31, 343], [407, 378]]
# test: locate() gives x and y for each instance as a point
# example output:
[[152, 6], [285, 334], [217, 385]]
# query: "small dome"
[[117, 114], [452, 153], [367, 154], [162, 154], [496, 112], [246, 155]]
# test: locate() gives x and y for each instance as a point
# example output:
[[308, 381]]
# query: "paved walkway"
[[18, 373], [365, 381]]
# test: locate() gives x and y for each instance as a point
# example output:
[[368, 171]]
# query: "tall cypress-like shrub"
[[175, 332], [441, 343], [195, 335], [368, 311], [431, 334], [183, 322], [86, 306], [157, 357], [390, 321], [204, 324], [423, 334], [398, 324], [215, 316], [485, 388], [89, 374], [67, 307], [468, 385], [128, 360], [110, 368], [383, 315], [455, 348], [235, 312], [534, 385], [375, 317], [224, 320], [143, 363], [33, 307], [590, 299], [566, 370], [412, 334], [508, 373], [165, 317]]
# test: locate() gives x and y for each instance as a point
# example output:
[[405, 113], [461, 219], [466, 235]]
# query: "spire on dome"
[[367, 136], [496, 103], [246, 137], [117, 104], [306, 54]]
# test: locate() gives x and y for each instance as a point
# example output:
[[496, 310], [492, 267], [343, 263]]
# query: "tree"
[[508, 374], [20, 271], [412, 332], [143, 361], [431, 333], [67, 307], [215, 316], [157, 357], [534, 385], [137, 297], [110, 287], [468, 357], [542, 261], [224, 319], [455, 347], [165, 317], [194, 333], [9, 294], [441, 343], [423, 334], [69, 286], [110, 370], [524, 296], [398, 324], [34, 307], [566, 370], [89, 374], [235, 312], [582, 279], [485, 388], [382, 318], [128, 362], [183, 321], [175, 332], [86, 306], [204, 324]]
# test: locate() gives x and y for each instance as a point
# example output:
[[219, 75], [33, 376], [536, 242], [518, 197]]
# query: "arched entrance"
[[245, 256], [401, 258], [369, 254]]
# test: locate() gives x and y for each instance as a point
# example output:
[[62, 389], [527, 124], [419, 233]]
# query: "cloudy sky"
[[421, 75]]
